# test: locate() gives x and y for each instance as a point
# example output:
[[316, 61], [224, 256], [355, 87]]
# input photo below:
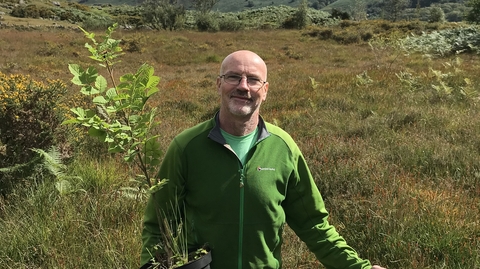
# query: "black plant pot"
[[202, 263]]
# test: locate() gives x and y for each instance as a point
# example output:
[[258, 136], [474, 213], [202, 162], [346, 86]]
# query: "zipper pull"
[[242, 177]]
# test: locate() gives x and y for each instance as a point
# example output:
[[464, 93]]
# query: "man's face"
[[245, 98]]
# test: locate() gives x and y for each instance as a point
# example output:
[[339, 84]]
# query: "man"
[[240, 179]]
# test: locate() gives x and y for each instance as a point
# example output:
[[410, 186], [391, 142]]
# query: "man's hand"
[[378, 267]]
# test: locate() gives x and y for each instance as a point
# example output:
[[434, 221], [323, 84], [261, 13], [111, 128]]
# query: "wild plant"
[[120, 118], [123, 120], [30, 114], [444, 42], [52, 162], [452, 81]]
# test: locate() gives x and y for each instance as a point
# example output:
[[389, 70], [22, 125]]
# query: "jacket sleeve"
[[308, 218], [160, 203]]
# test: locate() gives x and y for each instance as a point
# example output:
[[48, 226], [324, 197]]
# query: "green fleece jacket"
[[240, 211]]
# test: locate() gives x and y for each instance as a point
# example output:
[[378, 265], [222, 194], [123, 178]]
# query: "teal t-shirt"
[[241, 144]]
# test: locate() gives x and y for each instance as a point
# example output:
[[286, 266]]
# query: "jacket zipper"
[[240, 224]]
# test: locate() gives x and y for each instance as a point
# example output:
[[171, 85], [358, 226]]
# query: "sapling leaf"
[[80, 112], [126, 77], [101, 84], [151, 91], [89, 90], [115, 149], [95, 132], [152, 81], [75, 69], [71, 121], [158, 186], [89, 76], [99, 100], [111, 93]]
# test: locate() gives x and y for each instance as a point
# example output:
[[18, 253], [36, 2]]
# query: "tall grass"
[[398, 166]]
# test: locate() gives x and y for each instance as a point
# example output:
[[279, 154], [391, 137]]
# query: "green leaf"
[[111, 93], [153, 81], [64, 187], [99, 100], [96, 132], [155, 162], [80, 112], [75, 69], [152, 91], [115, 149], [127, 77], [101, 83], [70, 121], [89, 90], [158, 186]]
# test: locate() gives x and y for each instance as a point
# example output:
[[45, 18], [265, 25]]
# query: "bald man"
[[240, 180]]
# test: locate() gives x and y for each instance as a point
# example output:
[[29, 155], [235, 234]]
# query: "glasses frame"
[[240, 80]]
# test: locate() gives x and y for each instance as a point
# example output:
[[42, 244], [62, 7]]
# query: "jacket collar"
[[216, 135]]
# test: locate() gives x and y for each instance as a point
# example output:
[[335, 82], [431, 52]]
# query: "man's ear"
[[219, 82], [265, 88]]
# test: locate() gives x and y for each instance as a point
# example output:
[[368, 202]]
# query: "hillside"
[[249, 13], [242, 5]]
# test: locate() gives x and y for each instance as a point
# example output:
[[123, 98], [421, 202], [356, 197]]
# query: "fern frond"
[[18, 167], [52, 161]]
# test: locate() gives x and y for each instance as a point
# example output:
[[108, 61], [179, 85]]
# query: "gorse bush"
[[30, 116], [32, 11], [30, 113]]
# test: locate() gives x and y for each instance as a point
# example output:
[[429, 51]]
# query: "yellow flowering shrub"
[[29, 116]]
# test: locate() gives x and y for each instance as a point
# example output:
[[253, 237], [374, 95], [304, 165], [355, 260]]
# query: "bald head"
[[248, 59]]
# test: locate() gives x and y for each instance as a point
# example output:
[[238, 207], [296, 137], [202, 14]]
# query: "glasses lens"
[[252, 82]]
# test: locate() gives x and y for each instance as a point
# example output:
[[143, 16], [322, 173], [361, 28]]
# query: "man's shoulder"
[[280, 133], [201, 128]]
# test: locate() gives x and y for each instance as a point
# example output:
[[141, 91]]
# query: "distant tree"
[[324, 3], [436, 15], [299, 19], [473, 16], [301, 15], [163, 14], [337, 14], [393, 9], [204, 6], [359, 11]]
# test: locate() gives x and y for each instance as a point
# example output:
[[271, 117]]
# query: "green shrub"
[[473, 16], [436, 15], [25, 11], [30, 115], [445, 42], [230, 24], [96, 23], [161, 14], [206, 22]]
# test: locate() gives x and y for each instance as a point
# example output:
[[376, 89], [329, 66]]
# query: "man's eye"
[[252, 79], [233, 77]]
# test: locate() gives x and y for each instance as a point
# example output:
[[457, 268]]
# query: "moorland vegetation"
[[386, 113]]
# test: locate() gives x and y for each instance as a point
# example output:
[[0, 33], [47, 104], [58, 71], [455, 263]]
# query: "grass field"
[[397, 161]]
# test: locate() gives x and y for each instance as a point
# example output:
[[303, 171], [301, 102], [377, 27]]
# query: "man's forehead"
[[244, 66]]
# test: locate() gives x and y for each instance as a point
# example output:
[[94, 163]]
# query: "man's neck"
[[238, 125]]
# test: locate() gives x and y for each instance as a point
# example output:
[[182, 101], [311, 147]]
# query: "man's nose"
[[243, 83]]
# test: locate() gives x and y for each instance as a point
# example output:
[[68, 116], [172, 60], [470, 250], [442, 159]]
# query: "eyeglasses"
[[253, 82]]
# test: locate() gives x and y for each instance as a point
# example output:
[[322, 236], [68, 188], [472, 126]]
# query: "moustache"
[[241, 94]]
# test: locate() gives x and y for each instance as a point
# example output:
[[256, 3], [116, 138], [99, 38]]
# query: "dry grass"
[[398, 169]]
